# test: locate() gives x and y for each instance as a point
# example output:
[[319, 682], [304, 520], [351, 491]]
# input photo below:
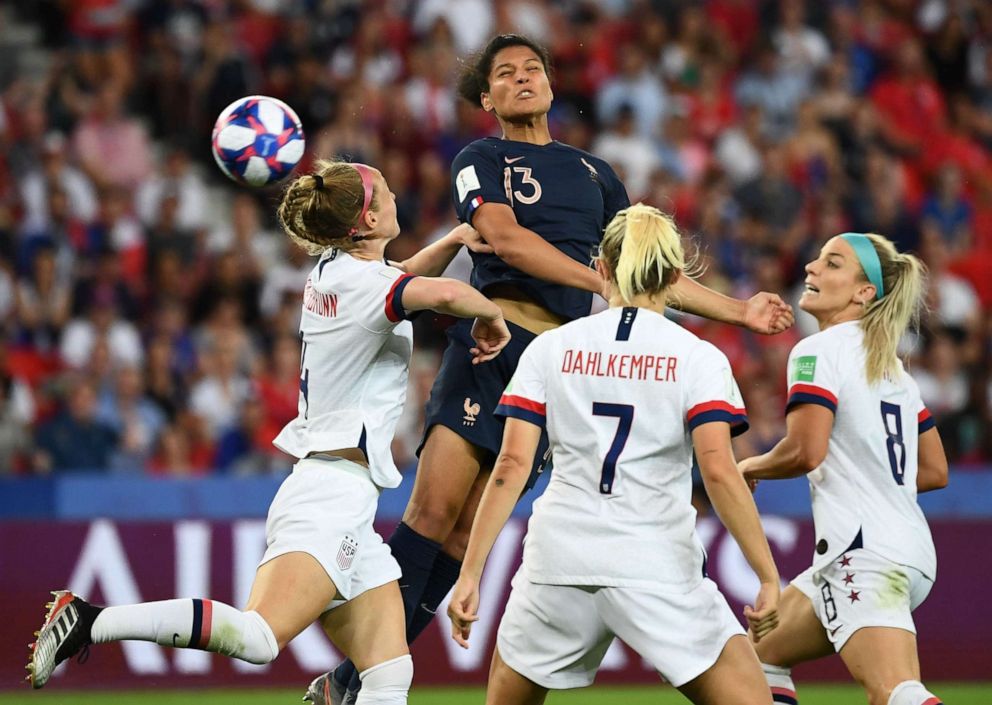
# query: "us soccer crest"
[[347, 552]]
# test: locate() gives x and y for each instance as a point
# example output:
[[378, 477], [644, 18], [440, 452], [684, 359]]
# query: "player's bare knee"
[[433, 519]]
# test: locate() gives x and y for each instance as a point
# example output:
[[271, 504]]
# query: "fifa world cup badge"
[[347, 552]]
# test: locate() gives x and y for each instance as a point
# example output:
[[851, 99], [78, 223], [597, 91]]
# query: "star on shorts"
[[845, 561], [854, 596], [848, 578]]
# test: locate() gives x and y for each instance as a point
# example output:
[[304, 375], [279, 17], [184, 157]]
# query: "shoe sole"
[[63, 598]]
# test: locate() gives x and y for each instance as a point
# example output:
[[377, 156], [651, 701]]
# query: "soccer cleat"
[[65, 632], [324, 690]]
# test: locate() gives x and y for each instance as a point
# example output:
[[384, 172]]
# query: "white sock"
[[780, 682], [912, 693], [386, 684], [195, 624]]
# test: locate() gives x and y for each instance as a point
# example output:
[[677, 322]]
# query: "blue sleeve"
[[476, 178], [616, 196]]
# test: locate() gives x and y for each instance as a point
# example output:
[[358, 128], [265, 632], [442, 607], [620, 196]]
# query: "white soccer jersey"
[[864, 493], [619, 392], [355, 359]]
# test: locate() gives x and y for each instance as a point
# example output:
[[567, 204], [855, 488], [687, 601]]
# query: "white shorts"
[[325, 508], [557, 635], [863, 589]]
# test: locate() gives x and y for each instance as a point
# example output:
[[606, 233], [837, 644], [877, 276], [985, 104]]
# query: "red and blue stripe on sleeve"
[[394, 299], [710, 411], [925, 420], [811, 394], [521, 408]]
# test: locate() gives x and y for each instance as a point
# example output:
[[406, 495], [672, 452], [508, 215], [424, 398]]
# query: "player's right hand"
[[472, 239], [463, 609], [490, 337], [763, 617]]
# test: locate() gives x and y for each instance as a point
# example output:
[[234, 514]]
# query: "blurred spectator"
[[628, 152], [246, 448], [278, 386], [739, 147], [217, 398], [177, 179], [258, 248], [942, 380], [75, 438], [135, 418], [765, 82], [112, 147], [55, 173], [946, 213], [101, 323], [637, 87], [803, 49], [44, 302]]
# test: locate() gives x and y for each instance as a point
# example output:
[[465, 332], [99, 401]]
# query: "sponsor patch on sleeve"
[[466, 182], [804, 368]]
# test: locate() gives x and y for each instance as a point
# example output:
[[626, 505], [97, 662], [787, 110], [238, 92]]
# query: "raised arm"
[[933, 473], [734, 504], [802, 450], [459, 299], [763, 313], [435, 258], [510, 473], [527, 251]]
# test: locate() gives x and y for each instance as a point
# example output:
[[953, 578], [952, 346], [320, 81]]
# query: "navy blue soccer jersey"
[[563, 194]]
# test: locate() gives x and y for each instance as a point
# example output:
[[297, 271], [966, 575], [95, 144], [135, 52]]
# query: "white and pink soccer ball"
[[257, 140]]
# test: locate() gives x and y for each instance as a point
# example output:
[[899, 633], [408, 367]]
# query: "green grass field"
[[952, 694]]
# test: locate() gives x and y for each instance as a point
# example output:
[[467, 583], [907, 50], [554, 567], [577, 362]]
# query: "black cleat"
[[65, 632], [325, 690]]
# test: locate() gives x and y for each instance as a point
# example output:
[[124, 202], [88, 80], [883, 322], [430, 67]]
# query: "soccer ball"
[[257, 140]]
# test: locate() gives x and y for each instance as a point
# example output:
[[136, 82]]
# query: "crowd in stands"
[[149, 308]]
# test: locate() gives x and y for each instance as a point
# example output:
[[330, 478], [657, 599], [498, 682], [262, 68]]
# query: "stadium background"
[[149, 308]]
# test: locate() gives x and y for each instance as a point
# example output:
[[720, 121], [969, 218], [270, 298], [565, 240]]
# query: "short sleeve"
[[812, 376], [711, 391], [371, 291], [476, 178], [525, 396], [616, 196]]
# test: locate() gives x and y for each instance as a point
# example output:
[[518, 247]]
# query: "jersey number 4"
[[624, 414], [892, 420]]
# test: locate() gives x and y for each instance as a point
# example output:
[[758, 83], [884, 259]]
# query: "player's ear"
[[487, 104], [602, 268]]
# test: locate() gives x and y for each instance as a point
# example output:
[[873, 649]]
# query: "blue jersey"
[[563, 194]]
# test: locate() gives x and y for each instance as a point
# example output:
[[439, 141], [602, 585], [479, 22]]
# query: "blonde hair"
[[886, 319], [643, 251], [320, 210]]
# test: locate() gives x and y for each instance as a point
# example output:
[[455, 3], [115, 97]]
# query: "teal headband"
[[868, 258]]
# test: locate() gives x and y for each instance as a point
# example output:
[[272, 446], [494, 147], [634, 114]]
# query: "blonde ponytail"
[[643, 250], [886, 319]]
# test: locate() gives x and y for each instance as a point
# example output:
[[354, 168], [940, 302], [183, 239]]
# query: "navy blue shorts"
[[464, 395]]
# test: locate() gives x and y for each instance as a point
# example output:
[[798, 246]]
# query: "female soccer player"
[[857, 427], [323, 560], [611, 551], [542, 205]]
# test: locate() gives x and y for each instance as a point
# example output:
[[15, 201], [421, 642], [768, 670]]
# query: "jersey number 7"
[[625, 417]]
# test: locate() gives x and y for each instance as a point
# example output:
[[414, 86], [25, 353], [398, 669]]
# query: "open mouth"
[[526, 94], [810, 289]]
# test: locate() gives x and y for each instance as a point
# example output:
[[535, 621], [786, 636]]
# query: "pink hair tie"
[[365, 172]]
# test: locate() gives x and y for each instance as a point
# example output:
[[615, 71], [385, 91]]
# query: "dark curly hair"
[[474, 78]]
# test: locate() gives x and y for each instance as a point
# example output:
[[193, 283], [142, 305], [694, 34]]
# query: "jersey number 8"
[[894, 440]]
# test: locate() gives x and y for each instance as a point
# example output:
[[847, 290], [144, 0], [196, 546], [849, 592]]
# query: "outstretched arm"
[[435, 258], [802, 450], [527, 251], [510, 473], [932, 473], [763, 313]]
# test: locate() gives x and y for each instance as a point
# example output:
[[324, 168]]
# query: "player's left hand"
[[490, 337], [763, 617], [743, 466], [768, 314], [463, 609], [472, 239]]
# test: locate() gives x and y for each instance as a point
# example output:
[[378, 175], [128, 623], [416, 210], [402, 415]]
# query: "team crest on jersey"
[[347, 552], [466, 182], [804, 368], [471, 412], [591, 168]]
